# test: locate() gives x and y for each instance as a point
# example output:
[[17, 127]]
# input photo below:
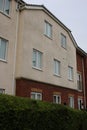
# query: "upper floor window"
[[63, 40], [57, 99], [36, 95], [37, 59], [3, 48], [70, 73], [79, 81], [71, 101], [5, 6], [56, 67], [48, 29]]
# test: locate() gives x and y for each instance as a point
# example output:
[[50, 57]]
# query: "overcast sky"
[[73, 13]]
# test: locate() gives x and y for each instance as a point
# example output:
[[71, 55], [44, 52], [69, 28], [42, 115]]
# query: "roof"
[[43, 8]]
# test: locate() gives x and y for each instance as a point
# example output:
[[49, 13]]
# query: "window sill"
[[7, 15], [48, 37], [36, 68], [2, 60], [79, 90], [57, 75], [71, 80], [64, 47]]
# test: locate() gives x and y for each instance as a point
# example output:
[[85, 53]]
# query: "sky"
[[72, 13]]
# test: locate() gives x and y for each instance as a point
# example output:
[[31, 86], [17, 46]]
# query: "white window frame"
[[36, 95], [56, 67], [3, 9], [71, 101], [6, 45], [79, 81], [63, 41], [57, 98], [70, 73], [48, 29], [37, 59]]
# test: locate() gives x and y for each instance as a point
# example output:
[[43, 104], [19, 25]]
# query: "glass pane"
[[2, 49], [38, 96], [56, 67], [49, 30], [7, 6], [1, 4], [34, 58], [70, 73], [54, 99], [32, 96], [39, 60], [58, 98], [63, 41]]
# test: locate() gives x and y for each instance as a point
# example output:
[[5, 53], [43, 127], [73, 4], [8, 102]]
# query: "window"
[[37, 59], [48, 29], [57, 99], [71, 101], [70, 73], [79, 81], [36, 95], [3, 48], [2, 91], [56, 67], [5, 6], [80, 103], [63, 41]]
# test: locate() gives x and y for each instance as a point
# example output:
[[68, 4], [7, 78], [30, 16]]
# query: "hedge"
[[25, 114]]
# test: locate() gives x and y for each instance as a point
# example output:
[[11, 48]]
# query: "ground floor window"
[[2, 91], [36, 95], [57, 99], [71, 101], [80, 103]]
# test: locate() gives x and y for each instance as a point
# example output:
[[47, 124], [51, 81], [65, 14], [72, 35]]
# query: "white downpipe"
[[15, 51]]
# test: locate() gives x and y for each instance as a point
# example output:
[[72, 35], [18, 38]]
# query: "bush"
[[25, 114]]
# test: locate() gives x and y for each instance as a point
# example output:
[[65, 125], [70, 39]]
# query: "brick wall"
[[24, 88]]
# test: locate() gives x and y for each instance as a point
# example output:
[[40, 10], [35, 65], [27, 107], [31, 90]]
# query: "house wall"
[[24, 87], [8, 31], [31, 35]]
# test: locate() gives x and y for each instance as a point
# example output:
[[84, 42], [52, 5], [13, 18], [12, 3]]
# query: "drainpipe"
[[15, 51], [84, 84]]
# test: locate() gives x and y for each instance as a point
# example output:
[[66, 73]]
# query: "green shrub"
[[25, 114]]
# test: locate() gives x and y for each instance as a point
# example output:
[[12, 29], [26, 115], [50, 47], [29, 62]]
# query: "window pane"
[[1, 4], [71, 102], [34, 58], [48, 29], [70, 73], [80, 103], [39, 60], [54, 99], [39, 96], [3, 49], [57, 67], [32, 96], [7, 6], [79, 81], [63, 41]]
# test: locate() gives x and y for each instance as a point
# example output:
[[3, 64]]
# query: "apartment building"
[[39, 57]]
